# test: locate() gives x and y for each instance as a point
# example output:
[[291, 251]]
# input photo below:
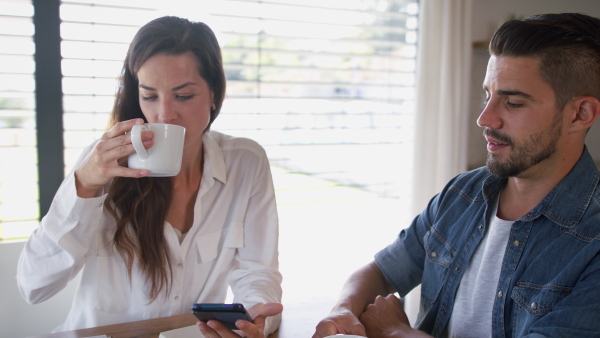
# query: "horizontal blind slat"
[[19, 195]]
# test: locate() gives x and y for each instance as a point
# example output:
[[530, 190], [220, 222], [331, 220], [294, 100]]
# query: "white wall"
[[17, 318], [487, 15]]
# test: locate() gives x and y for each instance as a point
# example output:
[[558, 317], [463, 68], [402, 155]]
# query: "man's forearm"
[[361, 288]]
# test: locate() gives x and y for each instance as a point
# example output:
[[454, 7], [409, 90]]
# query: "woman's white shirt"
[[233, 241]]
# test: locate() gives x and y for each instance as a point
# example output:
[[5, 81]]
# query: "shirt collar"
[[214, 164], [568, 201]]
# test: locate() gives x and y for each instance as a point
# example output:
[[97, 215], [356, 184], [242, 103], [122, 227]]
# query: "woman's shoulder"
[[230, 143]]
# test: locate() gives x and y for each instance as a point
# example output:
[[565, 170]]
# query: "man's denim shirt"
[[549, 284]]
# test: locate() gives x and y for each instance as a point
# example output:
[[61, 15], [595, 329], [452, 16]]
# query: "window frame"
[[48, 100], [51, 109]]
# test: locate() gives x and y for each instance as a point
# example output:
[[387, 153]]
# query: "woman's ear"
[[585, 112]]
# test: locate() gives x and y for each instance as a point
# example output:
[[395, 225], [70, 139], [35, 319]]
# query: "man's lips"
[[495, 141], [495, 145]]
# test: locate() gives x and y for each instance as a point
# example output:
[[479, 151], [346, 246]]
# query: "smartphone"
[[227, 314]]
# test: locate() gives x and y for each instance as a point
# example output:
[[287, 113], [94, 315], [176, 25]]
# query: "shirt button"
[[500, 294], [534, 306], [176, 297], [480, 227], [444, 312], [180, 265], [434, 254], [457, 269], [516, 243]]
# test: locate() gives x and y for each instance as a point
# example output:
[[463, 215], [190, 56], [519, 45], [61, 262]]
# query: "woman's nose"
[[167, 112]]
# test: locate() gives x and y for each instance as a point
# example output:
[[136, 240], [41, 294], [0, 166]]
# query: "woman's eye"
[[184, 97], [148, 98]]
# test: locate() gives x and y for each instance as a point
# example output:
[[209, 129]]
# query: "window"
[[327, 87], [95, 37], [19, 211]]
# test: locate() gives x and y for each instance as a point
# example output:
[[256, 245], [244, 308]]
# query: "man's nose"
[[490, 116]]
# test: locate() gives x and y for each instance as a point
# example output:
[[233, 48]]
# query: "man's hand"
[[259, 314], [386, 318], [340, 321]]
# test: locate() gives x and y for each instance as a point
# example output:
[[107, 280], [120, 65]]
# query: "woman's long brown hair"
[[140, 205]]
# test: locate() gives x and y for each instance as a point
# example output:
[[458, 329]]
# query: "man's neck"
[[525, 191], [518, 198]]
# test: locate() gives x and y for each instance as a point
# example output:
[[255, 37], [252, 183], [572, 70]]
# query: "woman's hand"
[[101, 166], [339, 321], [259, 314]]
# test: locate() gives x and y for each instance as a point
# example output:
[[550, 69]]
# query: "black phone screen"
[[228, 314]]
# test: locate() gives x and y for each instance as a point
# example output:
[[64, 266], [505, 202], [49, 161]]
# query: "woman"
[[152, 247]]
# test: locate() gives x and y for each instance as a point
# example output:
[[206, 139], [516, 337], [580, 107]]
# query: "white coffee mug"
[[164, 157]]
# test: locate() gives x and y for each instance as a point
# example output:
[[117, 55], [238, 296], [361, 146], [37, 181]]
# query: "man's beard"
[[527, 154]]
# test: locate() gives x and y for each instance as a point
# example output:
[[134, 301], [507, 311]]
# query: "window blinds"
[[327, 87]]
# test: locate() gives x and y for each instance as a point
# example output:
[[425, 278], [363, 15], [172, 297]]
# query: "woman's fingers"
[[121, 128], [265, 310], [216, 329], [102, 165]]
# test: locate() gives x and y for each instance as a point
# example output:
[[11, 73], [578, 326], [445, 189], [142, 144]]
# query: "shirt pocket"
[[535, 299], [439, 257], [210, 244], [114, 293]]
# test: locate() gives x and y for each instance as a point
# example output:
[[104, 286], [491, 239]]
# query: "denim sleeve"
[[402, 261]]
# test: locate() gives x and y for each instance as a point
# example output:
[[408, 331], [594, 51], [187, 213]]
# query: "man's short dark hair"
[[566, 45]]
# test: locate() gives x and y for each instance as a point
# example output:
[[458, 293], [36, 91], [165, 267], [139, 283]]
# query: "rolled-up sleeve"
[[257, 278], [56, 250]]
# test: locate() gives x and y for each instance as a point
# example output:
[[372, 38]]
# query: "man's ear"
[[585, 112]]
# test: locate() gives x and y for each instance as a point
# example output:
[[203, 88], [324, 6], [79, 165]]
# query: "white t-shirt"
[[472, 313], [233, 241]]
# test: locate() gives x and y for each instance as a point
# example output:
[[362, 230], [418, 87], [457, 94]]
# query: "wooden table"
[[299, 319]]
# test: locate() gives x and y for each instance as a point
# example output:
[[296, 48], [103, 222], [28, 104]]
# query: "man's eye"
[[486, 101], [514, 105]]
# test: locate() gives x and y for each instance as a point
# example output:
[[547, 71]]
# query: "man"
[[514, 250]]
